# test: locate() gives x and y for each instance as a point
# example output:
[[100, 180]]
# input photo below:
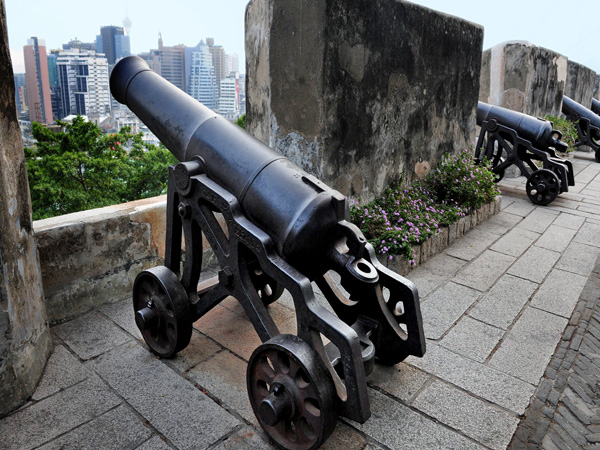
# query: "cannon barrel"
[[596, 106], [296, 210], [571, 108], [539, 132]]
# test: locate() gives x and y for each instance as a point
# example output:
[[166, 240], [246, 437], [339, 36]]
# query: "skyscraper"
[[55, 96], [219, 60], [36, 81], [83, 79], [229, 100], [113, 42], [172, 63], [201, 81], [20, 96]]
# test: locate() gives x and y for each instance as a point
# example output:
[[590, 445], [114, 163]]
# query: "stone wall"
[[25, 342], [360, 92], [581, 82], [92, 257], [523, 77]]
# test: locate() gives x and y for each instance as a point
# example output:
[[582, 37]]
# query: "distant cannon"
[[586, 122], [509, 137], [283, 229]]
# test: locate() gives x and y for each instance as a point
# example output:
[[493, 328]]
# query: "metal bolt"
[[184, 210]]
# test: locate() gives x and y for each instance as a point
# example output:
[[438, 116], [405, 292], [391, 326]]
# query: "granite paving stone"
[[444, 307], [515, 242], [169, 402], [472, 338], [559, 293], [402, 381], [481, 380], [228, 385], [434, 273], [477, 419], [62, 370], [345, 437], [156, 443], [526, 350], [483, 272], [397, 426], [121, 313], [117, 429], [589, 234], [91, 335], [500, 223], [520, 207], [471, 244], [556, 238], [535, 264], [579, 258], [55, 415], [199, 349], [570, 221], [244, 438], [501, 305], [538, 220]]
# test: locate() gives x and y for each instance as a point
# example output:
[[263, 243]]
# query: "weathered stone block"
[[439, 241], [524, 78], [580, 83], [345, 89], [24, 336], [425, 250]]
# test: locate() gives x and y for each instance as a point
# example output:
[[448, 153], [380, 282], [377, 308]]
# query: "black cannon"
[[586, 122], [509, 137], [596, 107], [281, 229]]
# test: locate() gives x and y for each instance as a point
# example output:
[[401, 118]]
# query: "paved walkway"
[[509, 363]]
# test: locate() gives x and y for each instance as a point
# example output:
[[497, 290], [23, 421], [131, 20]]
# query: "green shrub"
[[403, 217], [568, 130]]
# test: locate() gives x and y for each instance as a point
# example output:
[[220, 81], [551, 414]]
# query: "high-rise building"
[[153, 59], [76, 43], [201, 81], [20, 97], [36, 81], [83, 79], [172, 63], [113, 42], [55, 96], [234, 61], [219, 59], [229, 100]]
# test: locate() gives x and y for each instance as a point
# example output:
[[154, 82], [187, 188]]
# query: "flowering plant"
[[403, 217]]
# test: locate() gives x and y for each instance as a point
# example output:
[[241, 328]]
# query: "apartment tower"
[[37, 84]]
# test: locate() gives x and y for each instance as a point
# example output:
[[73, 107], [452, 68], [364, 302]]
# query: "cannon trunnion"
[[272, 227], [509, 137], [587, 123]]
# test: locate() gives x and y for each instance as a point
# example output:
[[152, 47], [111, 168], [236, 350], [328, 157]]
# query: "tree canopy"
[[82, 168]]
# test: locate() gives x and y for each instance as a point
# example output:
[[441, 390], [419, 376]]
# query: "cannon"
[[273, 228], [509, 137], [596, 107], [586, 122]]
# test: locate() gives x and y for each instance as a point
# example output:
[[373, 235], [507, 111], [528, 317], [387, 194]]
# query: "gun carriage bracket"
[[587, 123], [284, 230], [512, 138]]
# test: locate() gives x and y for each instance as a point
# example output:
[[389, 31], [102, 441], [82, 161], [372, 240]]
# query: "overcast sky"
[[569, 28]]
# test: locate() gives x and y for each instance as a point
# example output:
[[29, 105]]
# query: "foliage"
[[568, 130], [241, 121], [403, 217], [82, 168]]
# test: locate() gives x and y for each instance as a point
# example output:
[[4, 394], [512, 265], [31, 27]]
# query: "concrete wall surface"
[[358, 92], [523, 77], [25, 342]]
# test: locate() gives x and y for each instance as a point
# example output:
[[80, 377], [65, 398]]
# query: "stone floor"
[[511, 317]]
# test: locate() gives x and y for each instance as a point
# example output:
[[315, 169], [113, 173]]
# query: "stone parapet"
[[358, 93], [580, 85]]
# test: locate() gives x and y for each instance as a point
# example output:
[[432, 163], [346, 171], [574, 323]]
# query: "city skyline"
[[184, 22], [568, 30]]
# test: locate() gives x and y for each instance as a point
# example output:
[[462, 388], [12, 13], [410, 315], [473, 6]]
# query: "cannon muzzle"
[[576, 111]]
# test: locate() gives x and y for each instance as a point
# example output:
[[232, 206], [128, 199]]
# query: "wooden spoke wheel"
[[162, 311], [542, 187], [292, 393]]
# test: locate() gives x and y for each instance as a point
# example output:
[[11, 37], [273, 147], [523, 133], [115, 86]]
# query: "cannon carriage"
[[512, 138], [283, 230]]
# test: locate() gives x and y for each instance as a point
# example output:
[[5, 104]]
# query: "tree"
[[82, 168]]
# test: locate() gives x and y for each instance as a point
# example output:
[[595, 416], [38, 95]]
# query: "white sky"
[[569, 28]]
